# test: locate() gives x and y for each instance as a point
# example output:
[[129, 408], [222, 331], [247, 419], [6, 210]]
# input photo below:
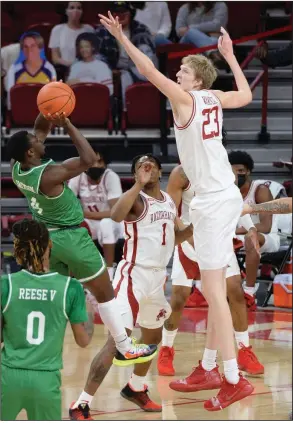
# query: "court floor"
[[271, 337]]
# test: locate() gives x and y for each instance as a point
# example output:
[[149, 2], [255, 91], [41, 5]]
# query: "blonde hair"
[[203, 69], [38, 39]]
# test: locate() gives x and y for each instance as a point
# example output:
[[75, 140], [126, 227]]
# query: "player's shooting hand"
[[58, 119], [112, 25], [225, 45], [251, 241], [144, 173], [247, 209]]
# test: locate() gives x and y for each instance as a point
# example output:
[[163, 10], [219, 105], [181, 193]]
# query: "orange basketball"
[[56, 97]]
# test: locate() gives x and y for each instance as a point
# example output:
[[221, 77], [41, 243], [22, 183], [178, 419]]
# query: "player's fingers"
[[105, 24], [223, 31], [111, 16]]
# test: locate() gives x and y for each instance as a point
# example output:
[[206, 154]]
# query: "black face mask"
[[95, 172], [241, 180]]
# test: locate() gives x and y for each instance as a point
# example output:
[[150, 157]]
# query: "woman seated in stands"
[[63, 37], [89, 68], [199, 23], [30, 67]]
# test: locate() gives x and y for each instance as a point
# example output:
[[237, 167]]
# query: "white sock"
[[198, 285], [111, 317], [84, 397], [250, 290], [111, 273], [231, 371], [168, 337], [137, 382], [241, 338], [209, 359]]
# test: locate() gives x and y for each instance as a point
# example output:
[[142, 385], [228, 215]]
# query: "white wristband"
[[246, 222]]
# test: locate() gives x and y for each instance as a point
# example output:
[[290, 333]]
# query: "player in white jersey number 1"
[[218, 203], [150, 230]]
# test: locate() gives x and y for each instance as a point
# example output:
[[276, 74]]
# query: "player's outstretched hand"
[[112, 25], [247, 209], [58, 119], [144, 173], [225, 45]]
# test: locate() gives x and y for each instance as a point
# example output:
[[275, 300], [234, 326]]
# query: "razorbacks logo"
[[161, 315], [172, 205]]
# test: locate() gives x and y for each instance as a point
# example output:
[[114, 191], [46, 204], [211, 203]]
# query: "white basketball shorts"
[[214, 217], [185, 269], [140, 295]]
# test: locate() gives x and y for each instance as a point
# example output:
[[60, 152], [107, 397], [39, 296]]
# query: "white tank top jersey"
[[183, 209], [150, 240], [199, 144], [250, 199], [95, 197]]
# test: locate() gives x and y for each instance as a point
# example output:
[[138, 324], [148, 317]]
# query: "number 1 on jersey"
[[164, 234]]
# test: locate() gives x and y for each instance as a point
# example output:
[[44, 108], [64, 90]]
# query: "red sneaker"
[[165, 361], [248, 362], [82, 412], [228, 394], [140, 398], [250, 301], [196, 299], [198, 380]]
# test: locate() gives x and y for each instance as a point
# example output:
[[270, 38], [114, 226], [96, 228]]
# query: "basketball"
[[56, 97]]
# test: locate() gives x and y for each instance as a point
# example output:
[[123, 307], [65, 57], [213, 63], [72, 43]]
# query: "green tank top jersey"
[[35, 310], [61, 211]]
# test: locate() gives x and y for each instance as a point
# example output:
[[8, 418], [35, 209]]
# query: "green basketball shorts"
[[75, 253], [37, 392]]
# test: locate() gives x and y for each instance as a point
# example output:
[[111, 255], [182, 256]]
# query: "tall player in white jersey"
[[218, 203], [150, 231], [184, 271]]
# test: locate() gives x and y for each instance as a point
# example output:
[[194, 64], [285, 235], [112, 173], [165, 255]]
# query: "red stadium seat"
[[244, 18], [8, 221], [9, 30], [126, 183], [143, 107], [9, 189], [93, 106], [24, 8], [40, 17], [24, 108]]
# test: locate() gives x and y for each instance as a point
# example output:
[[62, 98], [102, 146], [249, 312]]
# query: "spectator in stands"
[[114, 53], [63, 37], [255, 192], [156, 16], [9, 55], [99, 189], [199, 23], [33, 69], [275, 58], [88, 68]]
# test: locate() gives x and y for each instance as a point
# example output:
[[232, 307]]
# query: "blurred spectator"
[[99, 189], [275, 58], [156, 16], [255, 192], [199, 23], [88, 68], [9, 55], [34, 68], [114, 53], [63, 37]]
